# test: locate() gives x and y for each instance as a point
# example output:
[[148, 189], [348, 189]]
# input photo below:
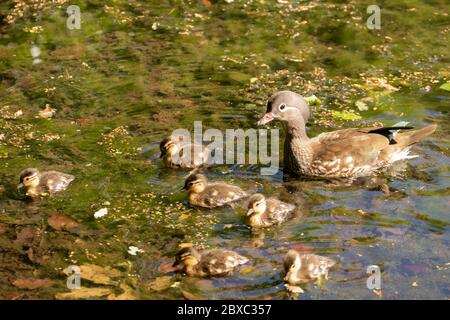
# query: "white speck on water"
[[35, 52], [101, 213], [134, 250]]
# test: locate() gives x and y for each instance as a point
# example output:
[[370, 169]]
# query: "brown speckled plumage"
[[300, 268], [211, 195], [265, 212], [214, 262], [42, 183], [348, 153]]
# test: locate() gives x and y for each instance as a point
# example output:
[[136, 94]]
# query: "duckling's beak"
[[250, 212], [20, 186], [185, 187], [266, 119]]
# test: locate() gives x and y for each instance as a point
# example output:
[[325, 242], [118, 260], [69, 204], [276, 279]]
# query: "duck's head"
[[256, 204], [292, 262], [29, 178], [285, 106], [195, 183], [187, 257], [168, 146]]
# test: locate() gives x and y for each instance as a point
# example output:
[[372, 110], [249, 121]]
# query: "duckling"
[[301, 268], [214, 262], [264, 212], [347, 153], [211, 195], [42, 183], [177, 154]]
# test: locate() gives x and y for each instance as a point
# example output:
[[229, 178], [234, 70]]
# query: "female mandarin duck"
[[214, 262], [264, 212], [211, 195], [301, 268], [178, 154], [348, 153], [42, 183]]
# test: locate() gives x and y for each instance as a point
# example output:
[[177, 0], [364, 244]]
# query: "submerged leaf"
[[84, 293], [160, 283], [31, 284], [97, 274], [247, 269], [189, 296], [167, 267], [62, 222], [127, 294], [313, 100], [346, 115], [361, 105]]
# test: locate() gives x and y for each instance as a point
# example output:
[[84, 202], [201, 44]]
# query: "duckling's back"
[[54, 181]]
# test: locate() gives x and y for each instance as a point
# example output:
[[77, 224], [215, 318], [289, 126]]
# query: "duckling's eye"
[[282, 107], [27, 179]]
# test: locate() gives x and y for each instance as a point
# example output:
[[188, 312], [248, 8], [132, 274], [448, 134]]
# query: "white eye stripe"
[[283, 107]]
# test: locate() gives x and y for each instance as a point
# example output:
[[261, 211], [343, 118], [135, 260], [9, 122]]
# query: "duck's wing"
[[218, 261], [219, 194], [278, 211], [56, 181]]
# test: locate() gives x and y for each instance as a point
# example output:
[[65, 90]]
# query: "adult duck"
[[347, 153]]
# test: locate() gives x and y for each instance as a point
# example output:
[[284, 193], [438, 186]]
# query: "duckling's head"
[[285, 106], [187, 257], [29, 178], [195, 183], [292, 261], [256, 204], [168, 146]]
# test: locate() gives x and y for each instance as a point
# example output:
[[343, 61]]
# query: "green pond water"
[[136, 70]]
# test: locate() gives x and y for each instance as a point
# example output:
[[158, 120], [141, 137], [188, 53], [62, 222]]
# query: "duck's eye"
[[282, 107], [27, 179]]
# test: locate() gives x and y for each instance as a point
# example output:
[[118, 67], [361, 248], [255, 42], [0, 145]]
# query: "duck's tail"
[[409, 138], [402, 141]]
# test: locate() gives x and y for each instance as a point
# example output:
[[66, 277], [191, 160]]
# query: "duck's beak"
[[176, 263], [20, 186], [266, 119], [250, 212]]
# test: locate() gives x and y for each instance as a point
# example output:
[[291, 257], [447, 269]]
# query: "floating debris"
[[101, 213], [48, 112], [134, 250]]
